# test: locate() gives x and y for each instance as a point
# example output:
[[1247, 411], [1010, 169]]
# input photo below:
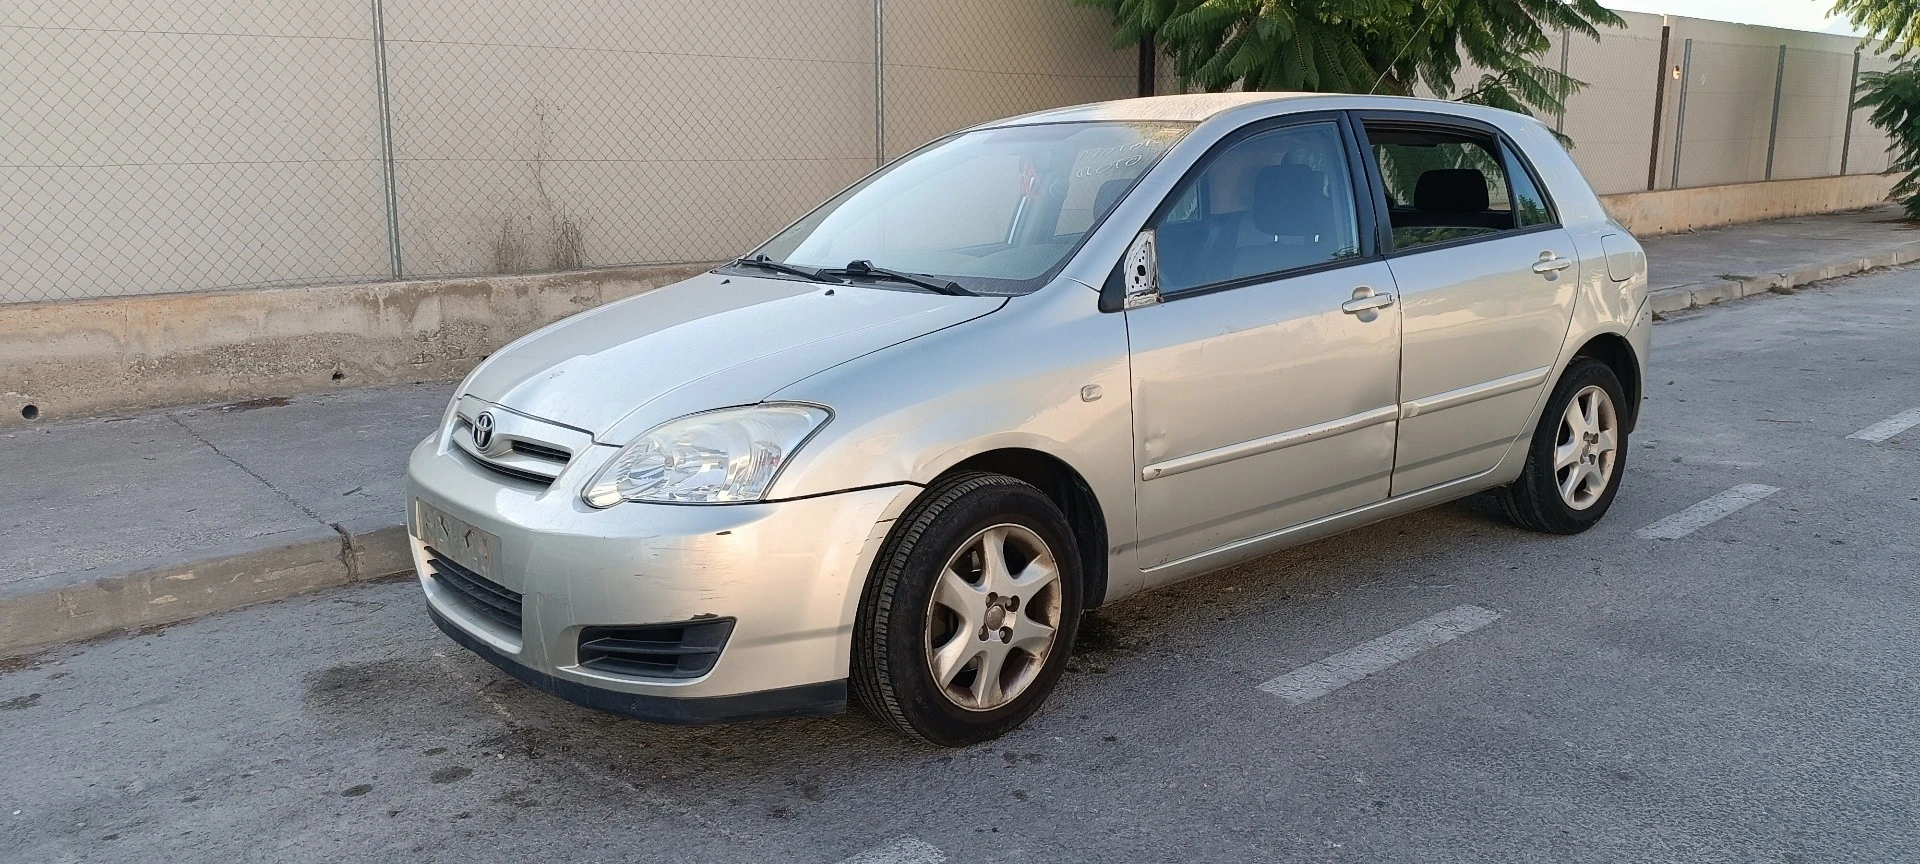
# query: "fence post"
[[1147, 74], [1680, 115], [386, 138], [1773, 126], [1659, 109], [1846, 137], [1566, 40], [879, 83]]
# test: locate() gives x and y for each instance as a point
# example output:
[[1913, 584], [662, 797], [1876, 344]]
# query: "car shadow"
[[542, 729]]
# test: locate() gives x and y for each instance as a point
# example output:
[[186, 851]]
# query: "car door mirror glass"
[[1140, 272]]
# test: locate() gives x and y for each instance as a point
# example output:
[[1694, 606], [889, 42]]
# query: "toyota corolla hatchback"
[[1030, 368]]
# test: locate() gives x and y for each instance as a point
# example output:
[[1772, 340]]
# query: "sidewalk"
[[128, 522], [1699, 269]]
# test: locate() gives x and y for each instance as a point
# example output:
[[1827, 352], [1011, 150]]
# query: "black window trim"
[[1113, 289], [1426, 120]]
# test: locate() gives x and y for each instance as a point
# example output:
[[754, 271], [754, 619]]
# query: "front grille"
[[541, 451], [684, 650], [476, 593], [522, 447], [507, 470]]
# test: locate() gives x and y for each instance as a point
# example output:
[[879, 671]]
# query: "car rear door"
[[1486, 280], [1265, 379]]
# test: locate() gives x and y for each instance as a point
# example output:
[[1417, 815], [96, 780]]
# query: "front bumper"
[[826, 697], [789, 573]]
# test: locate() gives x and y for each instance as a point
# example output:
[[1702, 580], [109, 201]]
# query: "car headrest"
[[1291, 201], [1451, 190], [1108, 193]]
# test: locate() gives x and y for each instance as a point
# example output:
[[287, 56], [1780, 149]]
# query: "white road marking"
[[1315, 680], [1706, 512], [906, 850], [1889, 427]]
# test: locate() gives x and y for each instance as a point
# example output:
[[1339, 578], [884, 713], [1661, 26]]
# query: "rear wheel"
[[970, 613], [1576, 456]]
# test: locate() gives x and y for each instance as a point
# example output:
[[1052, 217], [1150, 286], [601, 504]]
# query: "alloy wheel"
[[993, 617], [1585, 451]]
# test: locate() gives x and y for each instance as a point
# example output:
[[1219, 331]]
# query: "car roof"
[[1200, 107]]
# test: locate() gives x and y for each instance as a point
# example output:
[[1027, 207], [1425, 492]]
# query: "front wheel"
[[1576, 456], [970, 613]]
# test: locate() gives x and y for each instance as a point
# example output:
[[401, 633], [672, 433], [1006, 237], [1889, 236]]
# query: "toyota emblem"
[[483, 430]]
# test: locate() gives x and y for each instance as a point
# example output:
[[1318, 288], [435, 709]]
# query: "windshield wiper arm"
[[866, 268], [765, 263]]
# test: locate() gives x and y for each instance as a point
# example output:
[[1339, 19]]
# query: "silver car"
[[1030, 368]]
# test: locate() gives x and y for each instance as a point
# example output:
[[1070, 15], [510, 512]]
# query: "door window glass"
[[1276, 201], [1444, 185]]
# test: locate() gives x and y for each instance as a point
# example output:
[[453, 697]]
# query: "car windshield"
[[996, 210]]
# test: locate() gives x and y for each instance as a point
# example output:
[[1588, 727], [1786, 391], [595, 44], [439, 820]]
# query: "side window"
[[1443, 185], [1276, 201], [1529, 206]]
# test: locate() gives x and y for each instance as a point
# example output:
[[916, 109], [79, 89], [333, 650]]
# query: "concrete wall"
[[88, 357], [1670, 211]]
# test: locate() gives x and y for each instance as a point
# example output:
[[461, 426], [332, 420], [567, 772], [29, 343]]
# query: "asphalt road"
[[1743, 692]]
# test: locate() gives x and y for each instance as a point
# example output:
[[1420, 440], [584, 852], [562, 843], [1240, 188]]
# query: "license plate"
[[468, 546]]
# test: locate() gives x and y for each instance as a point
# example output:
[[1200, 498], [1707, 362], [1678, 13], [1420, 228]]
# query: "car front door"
[[1265, 380], [1486, 280]]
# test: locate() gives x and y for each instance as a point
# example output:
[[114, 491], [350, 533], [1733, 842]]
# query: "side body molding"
[[1474, 393], [1270, 443]]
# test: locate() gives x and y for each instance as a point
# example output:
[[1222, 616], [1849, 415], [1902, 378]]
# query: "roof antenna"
[[1431, 6]]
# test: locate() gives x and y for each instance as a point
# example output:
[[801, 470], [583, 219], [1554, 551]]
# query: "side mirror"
[[1140, 273]]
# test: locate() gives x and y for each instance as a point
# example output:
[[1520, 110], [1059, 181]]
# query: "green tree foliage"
[[1362, 46], [1897, 22], [1894, 97]]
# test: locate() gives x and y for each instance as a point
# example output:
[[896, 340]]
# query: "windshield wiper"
[[866, 268], [765, 263]]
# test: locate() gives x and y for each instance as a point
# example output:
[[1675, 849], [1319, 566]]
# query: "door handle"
[[1365, 300], [1551, 263]]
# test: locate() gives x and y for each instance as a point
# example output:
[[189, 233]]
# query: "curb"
[[268, 568], [1679, 298]]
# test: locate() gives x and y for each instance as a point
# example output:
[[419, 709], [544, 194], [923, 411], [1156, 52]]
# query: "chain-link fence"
[[205, 144], [1610, 120], [179, 146], [176, 145], [1742, 112]]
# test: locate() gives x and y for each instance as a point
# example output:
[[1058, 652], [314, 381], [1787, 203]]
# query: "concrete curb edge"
[[177, 591], [1679, 298]]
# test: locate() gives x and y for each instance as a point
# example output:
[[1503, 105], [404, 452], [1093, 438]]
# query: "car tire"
[[930, 600], [1540, 500]]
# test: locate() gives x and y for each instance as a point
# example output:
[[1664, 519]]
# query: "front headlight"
[[715, 457]]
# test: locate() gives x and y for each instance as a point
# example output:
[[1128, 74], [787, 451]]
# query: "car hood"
[[709, 342]]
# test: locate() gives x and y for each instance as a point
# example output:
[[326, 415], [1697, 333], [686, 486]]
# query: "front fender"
[[1048, 373]]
